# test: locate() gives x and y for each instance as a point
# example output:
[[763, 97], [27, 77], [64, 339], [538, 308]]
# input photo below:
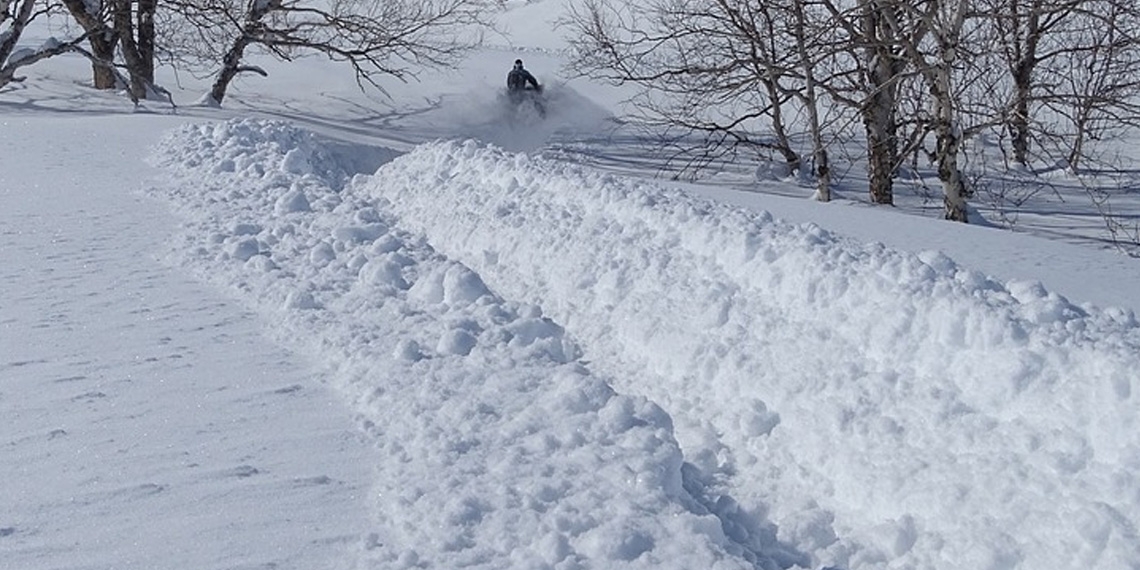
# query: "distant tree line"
[[912, 83], [124, 39], [913, 80]]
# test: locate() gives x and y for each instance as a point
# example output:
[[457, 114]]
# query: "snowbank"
[[494, 447], [524, 375], [884, 409]]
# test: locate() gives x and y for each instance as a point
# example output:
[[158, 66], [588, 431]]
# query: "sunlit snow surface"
[[484, 359], [496, 448], [562, 368], [146, 421]]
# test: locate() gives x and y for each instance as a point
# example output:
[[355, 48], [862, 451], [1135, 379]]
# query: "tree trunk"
[[1081, 121], [953, 186], [949, 142], [878, 110], [819, 152], [881, 149], [103, 70], [1026, 54], [8, 40], [938, 81], [783, 143], [102, 40], [231, 66], [141, 71], [17, 21], [882, 138], [146, 38], [231, 63], [1019, 119]]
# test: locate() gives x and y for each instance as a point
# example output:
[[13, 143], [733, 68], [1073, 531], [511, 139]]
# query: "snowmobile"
[[525, 93], [528, 102]]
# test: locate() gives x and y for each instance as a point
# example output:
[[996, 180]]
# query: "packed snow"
[[425, 332], [146, 421]]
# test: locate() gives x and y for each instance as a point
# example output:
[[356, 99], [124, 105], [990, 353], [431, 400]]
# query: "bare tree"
[[874, 88], [135, 30], [716, 76], [925, 36], [374, 38], [916, 72], [1024, 31], [123, 26], [1094, 84], [1069, 61]]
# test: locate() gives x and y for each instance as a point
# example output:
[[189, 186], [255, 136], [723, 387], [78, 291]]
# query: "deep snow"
[[837, 403], [938, 416], [367, 348], [495, 447]]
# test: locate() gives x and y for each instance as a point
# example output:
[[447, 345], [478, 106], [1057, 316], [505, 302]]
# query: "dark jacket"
[[518, 79]]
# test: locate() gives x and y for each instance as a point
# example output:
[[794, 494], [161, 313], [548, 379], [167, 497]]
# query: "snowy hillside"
[[881, 407], [863, 406], [321, 328], [494, 448]]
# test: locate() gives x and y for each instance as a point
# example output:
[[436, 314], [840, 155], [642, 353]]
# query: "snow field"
[[881, 408], [146, 422], [494, 448]]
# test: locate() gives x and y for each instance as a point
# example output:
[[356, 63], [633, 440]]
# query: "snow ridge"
[[882, 408], [494, 447]]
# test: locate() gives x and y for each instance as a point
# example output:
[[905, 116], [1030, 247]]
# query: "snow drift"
[[523, 340], [884, 408], [494, 448]]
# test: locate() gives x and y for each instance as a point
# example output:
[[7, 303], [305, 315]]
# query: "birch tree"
[[874, 87], [125, 27], [135, 31], [1025, 31], [810, 98], [1093, 84]]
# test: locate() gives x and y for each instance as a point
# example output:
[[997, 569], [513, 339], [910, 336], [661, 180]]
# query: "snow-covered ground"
[[145, 419], [302, 332]]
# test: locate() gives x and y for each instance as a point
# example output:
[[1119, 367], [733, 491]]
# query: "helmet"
[[518, 64]]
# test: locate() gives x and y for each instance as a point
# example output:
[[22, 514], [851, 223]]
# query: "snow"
[[802, 357], [320, 329], [493, 443], [144, 419], [20, 55]]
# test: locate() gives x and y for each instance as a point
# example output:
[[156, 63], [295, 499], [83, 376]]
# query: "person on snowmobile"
[[519, 81]]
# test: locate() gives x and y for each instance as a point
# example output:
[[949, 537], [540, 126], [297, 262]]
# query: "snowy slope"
[[882, 407], [145, 419], [495, 447], [479, 358], [836, 404]]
